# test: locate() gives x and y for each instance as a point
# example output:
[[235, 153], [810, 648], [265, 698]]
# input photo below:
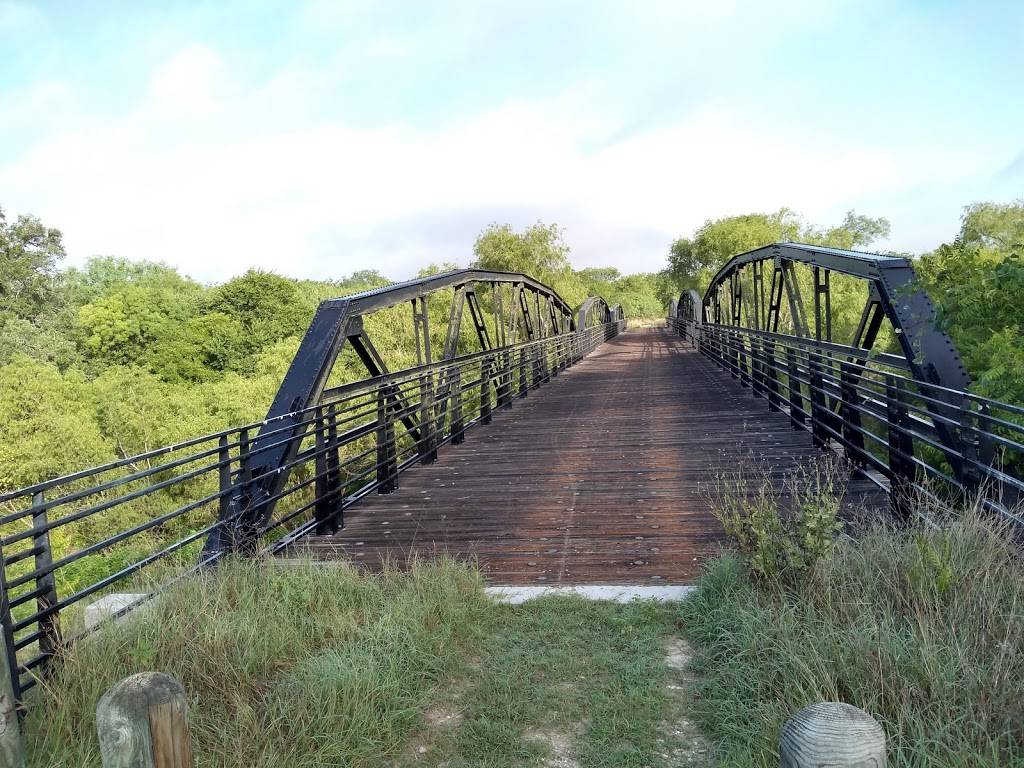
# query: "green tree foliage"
[[538, 251], [43, 340], [977, 283], [268, 307], [694, 261], [103, 275], [29, 256], [47, 422]]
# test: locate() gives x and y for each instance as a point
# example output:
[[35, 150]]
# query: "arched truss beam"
[[687, 307], [595, 311], [893, 293], [536, 311]]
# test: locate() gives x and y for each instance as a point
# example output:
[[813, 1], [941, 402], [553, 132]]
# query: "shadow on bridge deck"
[[596, 478]]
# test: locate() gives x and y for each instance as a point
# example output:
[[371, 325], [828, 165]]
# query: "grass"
[[313, 666], [565, 670], [924, 629], [327, 666]]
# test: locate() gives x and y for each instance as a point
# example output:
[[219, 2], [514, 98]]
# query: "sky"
[[317, 138]]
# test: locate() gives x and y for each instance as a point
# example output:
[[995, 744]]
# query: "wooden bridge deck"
[[596, 478]]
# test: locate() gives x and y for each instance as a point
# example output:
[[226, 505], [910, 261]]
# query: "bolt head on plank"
[[832, 735]]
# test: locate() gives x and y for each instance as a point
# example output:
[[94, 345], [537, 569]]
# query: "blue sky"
[[317, 138]]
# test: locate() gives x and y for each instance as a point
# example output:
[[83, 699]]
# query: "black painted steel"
[[596, 311], [893, 294]]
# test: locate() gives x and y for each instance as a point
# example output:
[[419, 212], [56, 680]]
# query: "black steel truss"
[[535, 312], [894, 294], [596, 311]]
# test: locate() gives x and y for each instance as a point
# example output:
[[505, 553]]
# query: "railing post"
[[757, 365], [742, 360], [901, 448], [10, 674], [427, 448], [770, 375], [243, 538], [849, 412], [524, 386], [485, 390], [796, 400], [49, 621], [322, 487], [386, 462], [336, 492], [819, 410], [455, 400], [224, 477]]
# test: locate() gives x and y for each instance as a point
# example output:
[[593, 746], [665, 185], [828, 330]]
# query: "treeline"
[[118, 357]]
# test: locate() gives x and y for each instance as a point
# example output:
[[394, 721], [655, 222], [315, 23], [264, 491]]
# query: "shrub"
[[781, 529]]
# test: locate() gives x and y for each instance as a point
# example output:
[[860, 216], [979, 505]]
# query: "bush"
[[781, 529]]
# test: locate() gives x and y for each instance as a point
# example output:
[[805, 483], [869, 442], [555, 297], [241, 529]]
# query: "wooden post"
[[832, 734], [11, 753], [143, 723]]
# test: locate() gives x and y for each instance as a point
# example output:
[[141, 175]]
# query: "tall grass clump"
[[285, 665], [921, 627], [782, 528]]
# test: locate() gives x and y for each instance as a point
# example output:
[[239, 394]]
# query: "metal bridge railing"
[[56, 541], [908, 436]]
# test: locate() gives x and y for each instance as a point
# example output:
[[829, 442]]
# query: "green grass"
[[326, 666], [589, 673], [313, 666], [923, 629]]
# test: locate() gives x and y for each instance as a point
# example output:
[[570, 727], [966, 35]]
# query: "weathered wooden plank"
[[599, 477]]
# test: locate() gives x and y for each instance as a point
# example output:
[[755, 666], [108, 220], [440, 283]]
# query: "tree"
[[437, 269], [268, 307], [47, 424], [368, 277], [102, 275], [123, 325], [44, 342], [29, 254], [538, 251], [693, 262], [994, 227], [977, 284], [599, 274], [856, 231]]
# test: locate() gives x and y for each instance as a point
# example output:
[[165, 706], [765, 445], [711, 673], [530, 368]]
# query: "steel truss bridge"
[[550, 444]]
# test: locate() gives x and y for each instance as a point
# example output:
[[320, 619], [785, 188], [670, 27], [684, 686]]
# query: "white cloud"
[[215, 176]]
